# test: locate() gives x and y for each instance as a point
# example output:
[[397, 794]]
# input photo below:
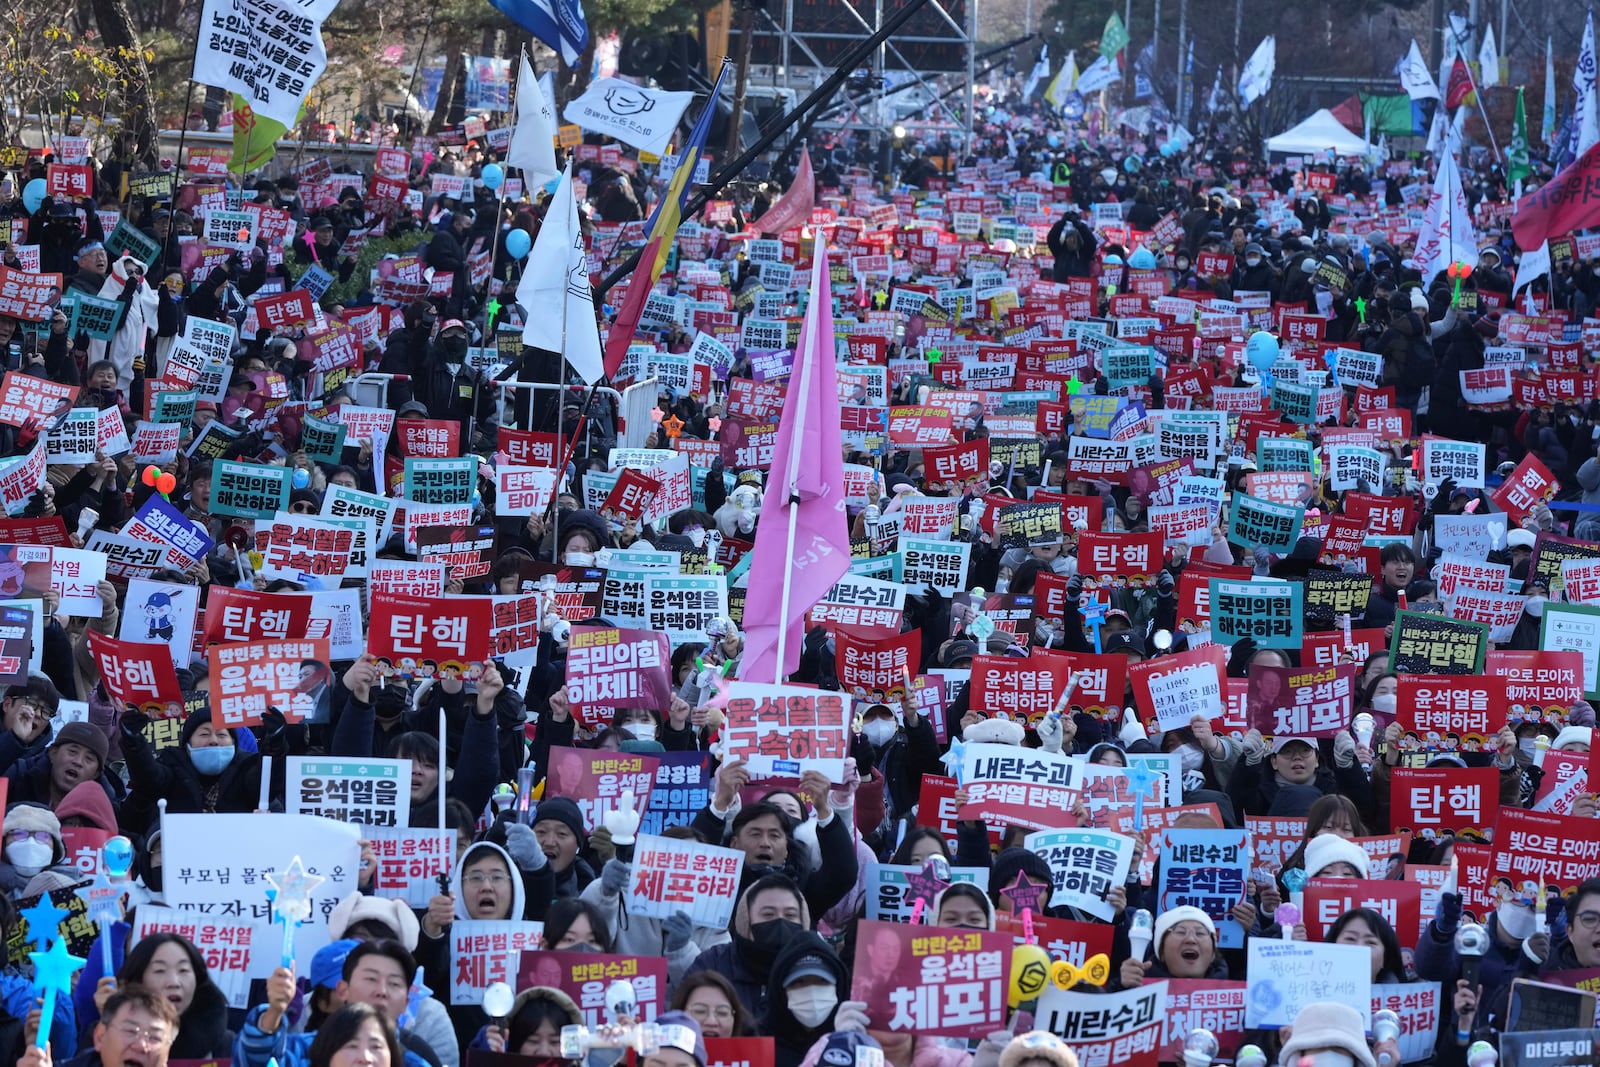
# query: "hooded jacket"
[[741, 961], [172, 775], [88, 801], [791, 1039]]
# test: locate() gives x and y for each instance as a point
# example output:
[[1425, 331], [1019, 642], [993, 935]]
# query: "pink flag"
[[807, 477], [794, 206]]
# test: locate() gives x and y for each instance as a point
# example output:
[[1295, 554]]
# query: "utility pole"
[[747, 18]]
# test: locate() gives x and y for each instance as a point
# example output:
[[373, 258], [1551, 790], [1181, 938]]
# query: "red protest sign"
[[529, 448], [1097, 682], [915, 979], [609, 667], [428, 438], [1533, 847], [1213, 263], [584, 976], [1272, 840], [283, 310], [31, 297], [1301, 702], [1443, 798], [877, 670], [27, 401], [1530, 485], [1325, 648], [739, 1052], [418, 636], [1540, 686], [1022, 690], [917, 427], [237, 615], [594, 779], [69, 181], [1326, 899], [1194, 591], [138, 675], [1381, 514], [957, 466], [1209, 1004], [632, 494], [1120, 560], [247, 679], [1450, 712]]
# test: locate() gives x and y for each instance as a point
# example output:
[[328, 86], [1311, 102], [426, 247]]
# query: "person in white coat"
[[126, 284]]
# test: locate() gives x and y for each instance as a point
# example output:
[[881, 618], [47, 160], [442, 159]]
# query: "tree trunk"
[[126, 52], [451, 90]]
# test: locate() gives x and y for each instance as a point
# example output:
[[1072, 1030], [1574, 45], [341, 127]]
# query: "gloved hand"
[[523, 847], [614, 877], [1447, 913], [852, 1015], [1132, 729], [623, 820], [1254, 747], [1074, 587], [1344, 749], [1441, 499], [272, 724], [600, 844], [677, 928], [1049, 731], [134, 722], [1262, 559], [1164, 583]]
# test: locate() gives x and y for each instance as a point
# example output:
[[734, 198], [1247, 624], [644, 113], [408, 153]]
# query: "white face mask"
[[578, 559], [697, 536], [1384, 702], [30, 857], [1252, 261], [879, 731], [1535, 606], [1515, 920], [1190, 758], [642, 731], [812, 1004], [1329, 1057]]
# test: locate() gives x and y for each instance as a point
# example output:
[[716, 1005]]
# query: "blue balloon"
[[1142, 259], [518, 243], [1131, 164], [1167, 149], [1262, 350], [33, 194], [493, 176], [301, 478]]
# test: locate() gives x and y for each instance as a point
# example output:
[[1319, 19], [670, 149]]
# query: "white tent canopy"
[[1319, 133]]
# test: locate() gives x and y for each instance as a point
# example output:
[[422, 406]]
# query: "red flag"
[[793, 208], [1459, 89], [1569, 202]]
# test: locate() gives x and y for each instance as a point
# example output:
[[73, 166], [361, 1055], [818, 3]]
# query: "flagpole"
[[807, 343]]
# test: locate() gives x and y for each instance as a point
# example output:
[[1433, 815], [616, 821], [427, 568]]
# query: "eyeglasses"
[[702, 1011], [1190, 932], [142, 1035], [1587, 920], [33, 704], [42, 836], [477, 880]]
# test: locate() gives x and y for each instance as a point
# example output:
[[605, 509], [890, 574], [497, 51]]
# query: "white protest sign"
[[886, 886], [374, 792], [1084, 866], [483, 951], [1285, 976], [236, 952], [217, 864], [670, 876]]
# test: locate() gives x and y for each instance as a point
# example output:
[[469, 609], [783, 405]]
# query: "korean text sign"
[[787, 730], [670, 876], [918, 979]]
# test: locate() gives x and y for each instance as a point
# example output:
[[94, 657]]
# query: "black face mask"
[[766, 940], [454, 348]]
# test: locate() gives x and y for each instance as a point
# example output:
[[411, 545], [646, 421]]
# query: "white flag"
[[643, 118], [1415, 79], [1488, 61], [1063, 82], [1584, 119], [554, 291], [1040, 71], [1532, 266], [1097, 75], [533, 145], [1256, 78], [268, 51], [1447, 236]]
